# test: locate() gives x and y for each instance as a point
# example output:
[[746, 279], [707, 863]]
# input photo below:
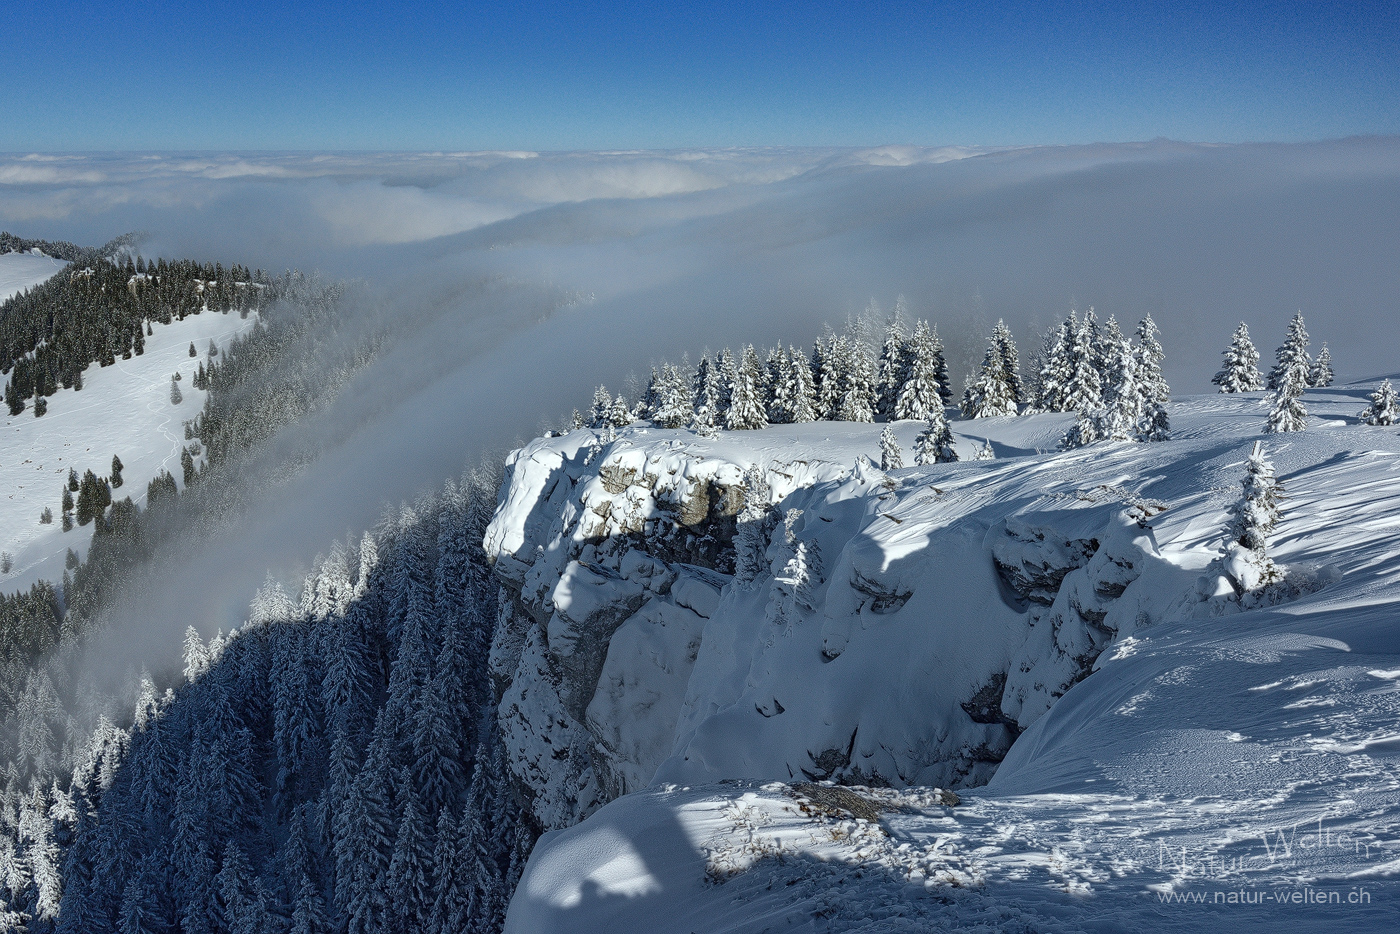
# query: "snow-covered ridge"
[[944, 620]]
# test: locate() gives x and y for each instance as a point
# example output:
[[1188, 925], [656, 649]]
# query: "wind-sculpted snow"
[[1043, 632]]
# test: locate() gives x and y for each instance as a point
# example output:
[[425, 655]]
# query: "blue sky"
[[409, 76]]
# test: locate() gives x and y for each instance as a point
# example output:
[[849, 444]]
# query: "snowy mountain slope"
[[20, 271], [1169, 772], [123, 409]]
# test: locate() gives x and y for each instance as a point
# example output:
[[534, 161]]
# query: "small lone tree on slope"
[[891, 457], [934, 445], [1287, 412], [1384, 409], [1252, 518], [1292, 354]]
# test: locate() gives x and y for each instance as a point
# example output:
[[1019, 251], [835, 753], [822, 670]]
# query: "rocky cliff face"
[[771, 606]]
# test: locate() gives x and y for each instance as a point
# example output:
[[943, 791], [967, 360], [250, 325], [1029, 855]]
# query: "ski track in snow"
[[1239, 772], [122, 409]]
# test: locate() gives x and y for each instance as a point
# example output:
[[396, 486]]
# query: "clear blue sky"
[[548, 75]]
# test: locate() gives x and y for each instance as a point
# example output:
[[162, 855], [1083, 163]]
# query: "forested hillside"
[[332, 765]]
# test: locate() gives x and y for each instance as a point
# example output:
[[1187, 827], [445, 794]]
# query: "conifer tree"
[[860, 393], [1252, 518], [1289, 381], [1292, 355], [891, 457], [1321, 373], [991, 392], [410, 869], [600, 413], [1125, 403], [745, 411], [934, 445], [175, 396], [802, 394], [1010, 360], [705, 392], [1083, 390], [1384, 409], [193, 352], [892, 369], [829, 364], [921, 392], [1240, 371], [116, 471], [1052, 382], [780, 401], [672, 406]]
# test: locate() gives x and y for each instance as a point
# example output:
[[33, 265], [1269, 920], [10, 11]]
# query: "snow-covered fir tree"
[[1292, 354], [706, 394], [1124, 402], [1154, 424], [1083, 386], [1240, 371], [893, 367], [920, 393], [780, 386], [1289, 381], [934, 444], [1052, 381], [992, 391], [1010, 360], [1321, 373], [801, 393], [985, 452], [891, 457], [671, 405], [746, 410], [858, 390], [1384, 409], [1252, 517]]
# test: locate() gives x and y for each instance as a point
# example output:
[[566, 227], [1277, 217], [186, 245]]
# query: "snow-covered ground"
[[20, 271], [1220, 768], [123, 409]]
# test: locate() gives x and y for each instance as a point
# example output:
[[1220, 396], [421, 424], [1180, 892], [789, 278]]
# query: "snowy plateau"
[[1004, 694], [123, 410], [20, 271]]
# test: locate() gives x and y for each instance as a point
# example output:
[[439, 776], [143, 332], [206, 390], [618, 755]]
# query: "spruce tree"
[[991, 392], [1052, 381], [1252, 518], [672, 407], [1125, 402], [193, 352], [175, 396], [745, 411], [860, 394], [1083, 390], [705, 393], [1154, 424], [1289, 381], [600, 413], [1292, 355], [934, 445], [921, 392], [802, 393], [1384, 409], [1010, 360], [780, 401], [1321, 373], [891, 372], [116, 471], [830, 362], [1240, 372], [891, 457]]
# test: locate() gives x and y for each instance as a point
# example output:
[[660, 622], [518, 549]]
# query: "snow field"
[[20, 271], [123, 409]]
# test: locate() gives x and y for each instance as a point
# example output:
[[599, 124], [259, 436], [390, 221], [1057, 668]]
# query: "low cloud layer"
[[518, 281]]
